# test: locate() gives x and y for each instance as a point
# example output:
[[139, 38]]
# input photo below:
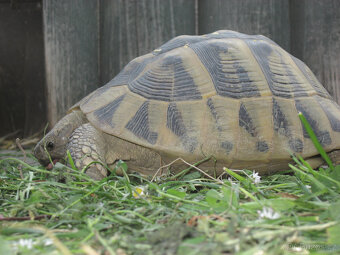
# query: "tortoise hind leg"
[[86, 145], [316, 162], [335, 157]]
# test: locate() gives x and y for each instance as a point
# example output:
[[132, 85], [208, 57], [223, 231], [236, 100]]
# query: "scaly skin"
[[82, 140], [56, 140], [87, 144]]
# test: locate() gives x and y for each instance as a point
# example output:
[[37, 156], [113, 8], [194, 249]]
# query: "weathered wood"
[[22, 83], [266, 17], [87, 42], [315, 40], [130, 28], [71, 52]]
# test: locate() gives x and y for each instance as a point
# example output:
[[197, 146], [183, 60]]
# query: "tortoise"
[[232, 96]]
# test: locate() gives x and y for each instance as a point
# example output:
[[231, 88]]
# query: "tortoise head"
[[53, 144]]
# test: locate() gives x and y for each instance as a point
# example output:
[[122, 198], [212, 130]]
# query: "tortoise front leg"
[[86, 145]]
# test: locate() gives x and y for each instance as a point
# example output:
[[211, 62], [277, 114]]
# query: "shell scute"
[[283, 78], [230, 69], [255, 136], [131, 71], [166, 80]]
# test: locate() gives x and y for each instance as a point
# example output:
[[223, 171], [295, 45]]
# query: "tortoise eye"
[[50, 146]]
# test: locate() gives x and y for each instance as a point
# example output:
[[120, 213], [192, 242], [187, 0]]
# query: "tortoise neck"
[[73, 120]]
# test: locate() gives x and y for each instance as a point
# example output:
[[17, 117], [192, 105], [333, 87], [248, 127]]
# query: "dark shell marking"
[[281, 127], [139, 124], [277, 84], [105, 114], [223, 71], [334, 120], [311, 78], [175, 123], [296, 144], [280, 121], [322, 135], [168, 81], [262, 146], [246, 122], [227, 145]]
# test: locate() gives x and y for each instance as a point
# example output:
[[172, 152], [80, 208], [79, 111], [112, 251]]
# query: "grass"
[[293, 213]]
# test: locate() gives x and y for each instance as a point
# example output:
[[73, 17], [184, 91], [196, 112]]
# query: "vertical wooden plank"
[[71, 52], [267, 17], [130, 28], [22, 83], [315, 35]]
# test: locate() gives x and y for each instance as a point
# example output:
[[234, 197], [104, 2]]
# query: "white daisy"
[[27, 243], [268, 213], [48, 242], [140, 192], [256, 178]]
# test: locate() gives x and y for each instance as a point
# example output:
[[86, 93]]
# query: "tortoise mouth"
[[48, 164]]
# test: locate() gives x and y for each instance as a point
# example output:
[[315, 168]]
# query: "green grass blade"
[[124, 168], [235, 175], [319, 185], [317, 174], [70, 160], [78, 200], [315, 141]]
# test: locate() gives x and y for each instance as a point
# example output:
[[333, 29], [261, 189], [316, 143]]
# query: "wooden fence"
[[22, 81], [87, 42]]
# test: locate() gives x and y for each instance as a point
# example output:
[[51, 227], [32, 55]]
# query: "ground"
[[294, 212]]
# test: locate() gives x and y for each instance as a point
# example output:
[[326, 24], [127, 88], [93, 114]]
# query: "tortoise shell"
[[226, 94]]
